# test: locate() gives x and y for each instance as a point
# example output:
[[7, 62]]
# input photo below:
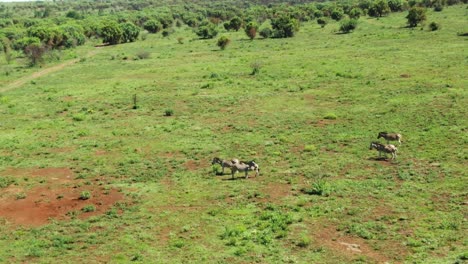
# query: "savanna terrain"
[[105, 155]]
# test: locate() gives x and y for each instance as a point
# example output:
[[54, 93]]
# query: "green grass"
[[307, 118]]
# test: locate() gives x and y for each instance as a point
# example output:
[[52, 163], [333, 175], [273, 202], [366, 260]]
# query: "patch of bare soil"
[[351, 247], [58, 197]]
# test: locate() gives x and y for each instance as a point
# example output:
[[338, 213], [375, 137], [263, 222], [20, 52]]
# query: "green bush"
[[319, 187], [266, 32], [433, 26], [223, 42], [89, 208], [168, 112], [348, 25], [85, 195], [415, 16]]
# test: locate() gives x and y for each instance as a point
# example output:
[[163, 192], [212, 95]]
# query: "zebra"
[[245, 167], [385, 149], [390, 137], [224, 163]]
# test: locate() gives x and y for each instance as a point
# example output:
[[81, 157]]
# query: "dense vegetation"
[[185, 82], [44, 26]]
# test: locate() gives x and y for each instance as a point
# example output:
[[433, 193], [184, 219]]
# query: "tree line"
[[35, 27]]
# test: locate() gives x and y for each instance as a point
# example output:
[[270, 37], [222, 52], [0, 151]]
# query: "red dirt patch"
[[57, 197]]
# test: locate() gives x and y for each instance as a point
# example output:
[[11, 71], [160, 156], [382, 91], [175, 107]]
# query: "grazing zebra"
[[390, 137], [385, 149], [245, 167], [224, 163]]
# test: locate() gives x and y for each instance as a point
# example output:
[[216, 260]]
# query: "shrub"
[[256, 66], [330, 116], [35, 53], [168, 112], [153, 26], [433, 26], [322, 22], [223, 42], [88, 208], [207, 30], [251, 30], [415, 16], [20, 196], [284, 27], [85, 195], [180, 40], [266, 32], [348, 25], [143, 54], [319, 187], [304, 241], [337, 14], [166, 32]]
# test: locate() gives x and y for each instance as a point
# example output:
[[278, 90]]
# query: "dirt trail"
[[20, 82]]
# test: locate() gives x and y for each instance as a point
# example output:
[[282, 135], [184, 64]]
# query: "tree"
[[111, 33], [379, 9], [153, 26], [251, 30], [207, 30], [34, 52], [396, 5], [284, 26], [130, 32], [223, 42], [322, 22], [234, 24], [73, 35], [348, 25], [337, 14], [415, 16], [355, 13], [266, 32]]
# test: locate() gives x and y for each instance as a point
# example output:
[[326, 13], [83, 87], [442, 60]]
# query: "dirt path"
[[20, 82]]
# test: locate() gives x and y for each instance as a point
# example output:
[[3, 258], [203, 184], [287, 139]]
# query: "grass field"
[[87, 176]]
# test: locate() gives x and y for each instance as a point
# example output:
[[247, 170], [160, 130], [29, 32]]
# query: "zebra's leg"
[[246, 174]]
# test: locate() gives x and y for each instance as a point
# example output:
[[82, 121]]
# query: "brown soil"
[[56, 196]]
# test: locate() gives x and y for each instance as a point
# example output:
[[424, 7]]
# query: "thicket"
[[53, 25]]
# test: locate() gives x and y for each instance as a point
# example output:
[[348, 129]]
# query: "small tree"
[[251, 30], [322, 22], [223, 42], [379, 9], [111, 33], [153, 26], [415, 16], [284, 26], [433, 26], [130, 32], [207, 30], [355, 13], [337, 14], [234, 24], [348, 25], [265, 32], [34, 52]]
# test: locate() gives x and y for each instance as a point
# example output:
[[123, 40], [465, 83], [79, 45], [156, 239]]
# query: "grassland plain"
[[307, 118]]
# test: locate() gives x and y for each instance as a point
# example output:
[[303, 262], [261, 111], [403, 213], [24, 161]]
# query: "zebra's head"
[[216, 160], [382, 134]]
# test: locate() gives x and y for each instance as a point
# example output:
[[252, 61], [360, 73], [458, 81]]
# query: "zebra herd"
[[389, 148], [235, 165]]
